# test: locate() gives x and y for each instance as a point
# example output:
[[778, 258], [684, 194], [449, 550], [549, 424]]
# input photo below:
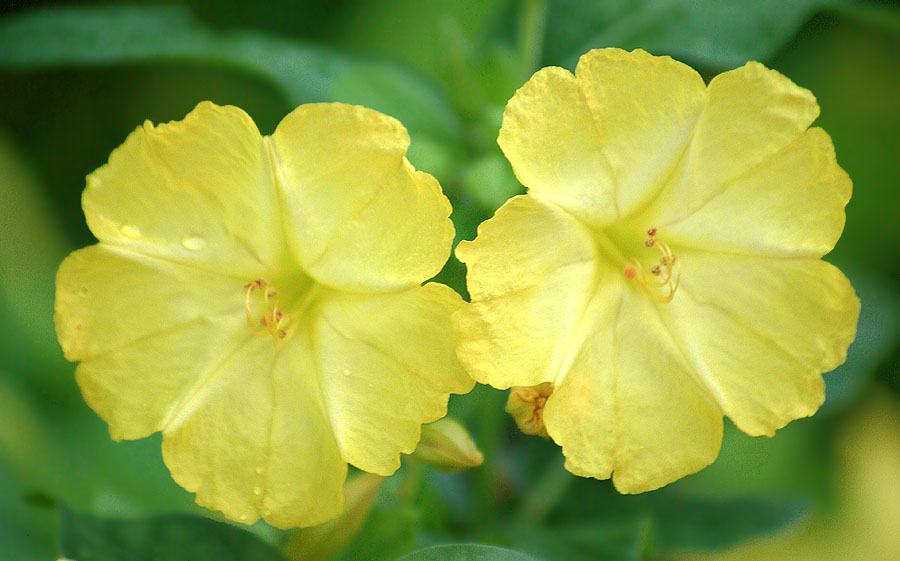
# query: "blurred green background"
[[76, 78]]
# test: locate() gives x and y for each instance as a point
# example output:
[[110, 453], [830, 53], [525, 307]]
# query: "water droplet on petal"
[[130, 231], [257, 491], [346, 372], [243, 517], [194, 243], [259, 470]]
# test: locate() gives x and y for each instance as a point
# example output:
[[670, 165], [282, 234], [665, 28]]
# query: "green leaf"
[[692, 523], [418, 32], [718, 34], [595, 515], [466, 552], [106, 35], [31, 248], [683, 522], [616, 541], [490, 181], [163, 538]]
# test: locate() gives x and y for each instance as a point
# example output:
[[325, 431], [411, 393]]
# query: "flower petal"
[[792, 204], [166, 346], [108, 297], [628, 404], [197, 191], [138, 388], [550, 138], [752, 114], [600, 143], [759, 332], [345, 180], [254, 440], [645, 108], [530, 273], [387, 365]]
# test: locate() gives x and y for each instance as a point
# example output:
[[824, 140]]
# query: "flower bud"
[[526, 405], [447, 446]]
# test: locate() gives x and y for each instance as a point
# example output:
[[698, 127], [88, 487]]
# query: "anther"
[[272, 318], [666, 275]]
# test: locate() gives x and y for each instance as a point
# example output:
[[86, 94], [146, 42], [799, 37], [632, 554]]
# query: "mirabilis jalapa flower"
[[259, 300], [664, 268]]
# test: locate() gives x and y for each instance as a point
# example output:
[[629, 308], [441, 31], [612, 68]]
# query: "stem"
[[530, 36], [543, 496], [490, 435]]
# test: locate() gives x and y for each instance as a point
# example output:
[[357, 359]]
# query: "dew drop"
[[346, 372], [194, 243], [243, 517], [257, 491], [259, 470], [130, 231]]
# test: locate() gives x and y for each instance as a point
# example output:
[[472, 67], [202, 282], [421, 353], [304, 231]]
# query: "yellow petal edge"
[[260, 301], [664, 268]]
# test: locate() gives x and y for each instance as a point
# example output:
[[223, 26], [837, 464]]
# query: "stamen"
[[273, 318], [666, 275]]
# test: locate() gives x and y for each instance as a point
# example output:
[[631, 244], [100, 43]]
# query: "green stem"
[[530, 36], [542, 497], [490, 435]]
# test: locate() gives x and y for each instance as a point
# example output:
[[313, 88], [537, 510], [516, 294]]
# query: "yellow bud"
[[447, 446], [317, 543]]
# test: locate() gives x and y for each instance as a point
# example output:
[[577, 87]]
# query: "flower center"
[[665, 274], [264, 311]]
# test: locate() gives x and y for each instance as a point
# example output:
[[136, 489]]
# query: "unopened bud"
[[317, 543], [447, 446], [526, 405]]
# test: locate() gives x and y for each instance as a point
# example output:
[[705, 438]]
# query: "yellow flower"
[[259, 301], [664, 268]]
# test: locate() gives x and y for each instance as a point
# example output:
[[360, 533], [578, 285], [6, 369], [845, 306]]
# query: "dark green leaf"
[[617, 541], [31, 247], [715, 33], [684, 523], [163, 538], [466, 552], [679, 522], [106, 35], [63, 36]]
